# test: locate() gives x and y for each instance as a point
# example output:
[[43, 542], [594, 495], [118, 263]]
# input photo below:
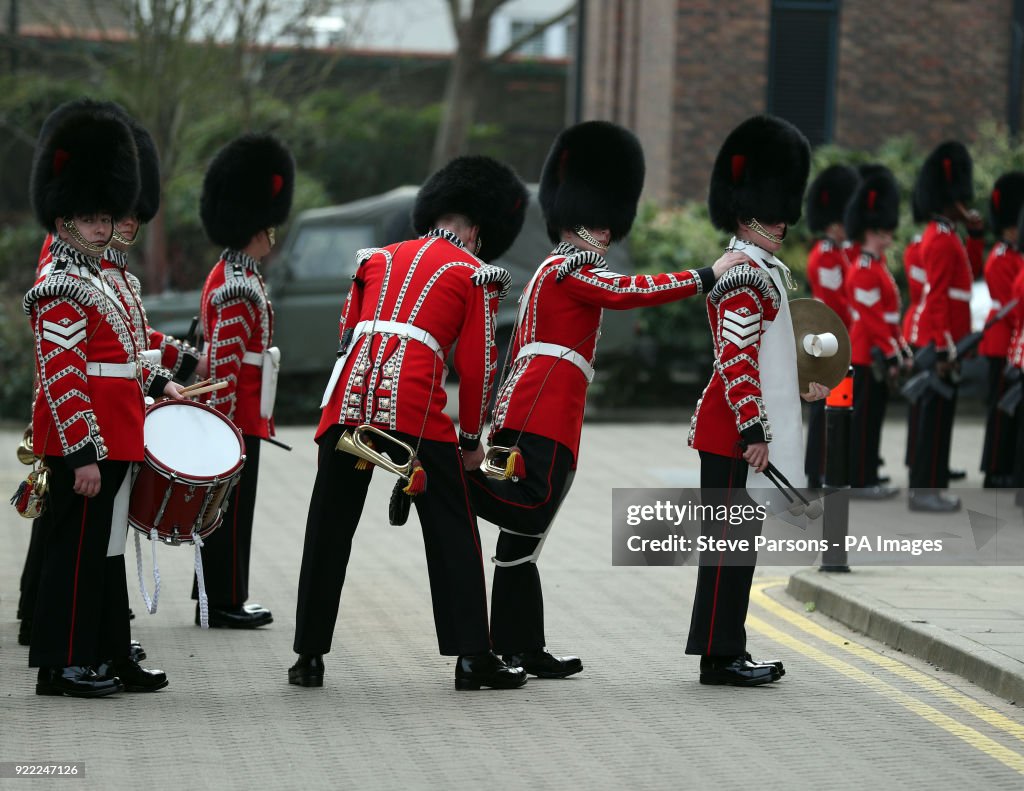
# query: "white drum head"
[[191, 441]]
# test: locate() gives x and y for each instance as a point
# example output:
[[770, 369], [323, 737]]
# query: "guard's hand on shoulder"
[[728, 260]]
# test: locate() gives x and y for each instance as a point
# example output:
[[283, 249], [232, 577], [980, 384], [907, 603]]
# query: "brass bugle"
[[25, 453], [495, 464], [355, 441]]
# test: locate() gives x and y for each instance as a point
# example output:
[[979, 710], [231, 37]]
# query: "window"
[[535, 46], [802, 65], [328, 251]]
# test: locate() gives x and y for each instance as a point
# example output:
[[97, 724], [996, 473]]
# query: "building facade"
[[682, 73]]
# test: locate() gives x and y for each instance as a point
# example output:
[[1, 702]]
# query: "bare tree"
[[465, 77]]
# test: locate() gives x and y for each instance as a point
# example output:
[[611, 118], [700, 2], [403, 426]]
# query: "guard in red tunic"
[[409, 304], [589, 189], [875, 336], [89, 410], [944, 188], [1015, 359], [247, 192], [1001, 269], [752, 401], [826, 272]]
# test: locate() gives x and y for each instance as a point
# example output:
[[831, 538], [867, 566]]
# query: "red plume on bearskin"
[[776, 162], [828, 195], [1006, 201], [875, 205], [593, 176], [945, 178]]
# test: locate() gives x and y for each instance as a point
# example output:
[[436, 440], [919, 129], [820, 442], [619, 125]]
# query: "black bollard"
[[836, 520]]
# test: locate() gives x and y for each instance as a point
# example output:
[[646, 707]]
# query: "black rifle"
[[926, 359], [1013, 393]]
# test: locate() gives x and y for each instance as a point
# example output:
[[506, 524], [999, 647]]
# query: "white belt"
[[918, 274], [399, 328], [892, 318], [997, 305], [960, 294], [561, 352], [112, 370], [253, 358]]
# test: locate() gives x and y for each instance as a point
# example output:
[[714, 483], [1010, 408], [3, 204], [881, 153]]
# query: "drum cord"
[[204, 601], [154, 539]]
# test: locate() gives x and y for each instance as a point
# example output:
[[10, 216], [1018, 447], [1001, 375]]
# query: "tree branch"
[[541, 28]]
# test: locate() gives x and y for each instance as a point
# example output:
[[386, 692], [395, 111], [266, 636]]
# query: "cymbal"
[[819, 358]]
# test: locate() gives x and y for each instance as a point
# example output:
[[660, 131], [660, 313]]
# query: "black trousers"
[[723, 589], [814, 460], [452, 543], [998, 452], [33, 568], [81, 611], [870, 398], [226, 550], [526, 507], [933, 436]]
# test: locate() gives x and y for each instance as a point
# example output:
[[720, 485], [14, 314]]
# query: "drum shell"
[[175, 502]]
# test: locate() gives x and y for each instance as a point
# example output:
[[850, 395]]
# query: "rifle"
[[926, 358], [1013, 393]]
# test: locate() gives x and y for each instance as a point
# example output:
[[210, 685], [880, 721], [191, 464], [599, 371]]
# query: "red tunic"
[[238, 327], [1015, 354], [875, 305], [1003, 264], [81, 412], [562, 307], [431, 292], [916, 279], [740, 308], [944, 315], [177, 357], [826, 270]]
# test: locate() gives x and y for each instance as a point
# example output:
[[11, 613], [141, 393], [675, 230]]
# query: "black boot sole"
[[729, 682], [305, 679], [140, 688], [46, 689], [469, 684]]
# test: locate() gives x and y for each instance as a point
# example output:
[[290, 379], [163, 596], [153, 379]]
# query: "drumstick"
[[195, 386], [206, 389]]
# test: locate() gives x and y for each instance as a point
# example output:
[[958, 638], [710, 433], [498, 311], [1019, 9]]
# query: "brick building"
[[682, 73]]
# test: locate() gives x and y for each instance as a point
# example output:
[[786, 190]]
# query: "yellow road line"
[[975, 739], [933, 685]]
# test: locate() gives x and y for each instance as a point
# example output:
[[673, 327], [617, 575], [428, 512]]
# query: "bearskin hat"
[[1005, 201], [945, 178], [149, 172], [85, 162], [248, 188], [875, 206], [481, 189], [593, 176], [828, 195], [760, 173]]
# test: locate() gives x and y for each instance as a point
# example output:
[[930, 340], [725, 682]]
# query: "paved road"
[[851, 713]]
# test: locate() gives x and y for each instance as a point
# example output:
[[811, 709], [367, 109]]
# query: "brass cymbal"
[[814, 318]]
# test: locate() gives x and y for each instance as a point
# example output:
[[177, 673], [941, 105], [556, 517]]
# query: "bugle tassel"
[[417, 479], [365, 464], [515, 467]]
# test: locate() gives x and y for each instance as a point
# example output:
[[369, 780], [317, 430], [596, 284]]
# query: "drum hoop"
[[166, 472]]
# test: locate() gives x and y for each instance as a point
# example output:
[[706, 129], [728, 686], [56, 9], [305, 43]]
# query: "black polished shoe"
[[134, 677], [487, 670], [248, 616], [136, 651], [543, 665], [25, 632], [75, 681], [775, 663], [933, 501], [957, 475], [735, 671], [308, 671]]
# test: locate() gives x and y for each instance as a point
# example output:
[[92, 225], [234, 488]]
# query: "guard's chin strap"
[[589, 238], [124, 239], [72, 229], [763, 232]]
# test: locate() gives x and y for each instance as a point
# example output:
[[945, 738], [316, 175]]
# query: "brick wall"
[[930, 68]]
